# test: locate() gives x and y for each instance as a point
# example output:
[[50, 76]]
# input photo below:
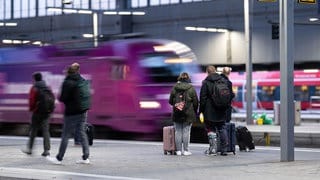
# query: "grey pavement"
[[133, 160]]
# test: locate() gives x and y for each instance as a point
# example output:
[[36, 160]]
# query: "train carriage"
[[130, 80]]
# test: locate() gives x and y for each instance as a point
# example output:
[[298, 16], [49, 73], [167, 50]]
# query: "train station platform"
[[138, 160], [305, 134]]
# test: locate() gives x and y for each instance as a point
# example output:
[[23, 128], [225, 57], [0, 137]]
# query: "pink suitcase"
[[169, 145]]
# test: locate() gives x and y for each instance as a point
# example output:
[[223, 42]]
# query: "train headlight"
[[150, 105]]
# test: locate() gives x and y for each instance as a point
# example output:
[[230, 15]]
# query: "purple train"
[[130, 80]]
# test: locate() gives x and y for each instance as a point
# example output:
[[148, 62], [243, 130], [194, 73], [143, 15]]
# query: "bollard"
[[266, 136]]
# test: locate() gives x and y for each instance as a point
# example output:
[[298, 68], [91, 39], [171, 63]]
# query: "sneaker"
[[223, 153], [26, 151], [54, 160], [187, 153], [178, 153], [87, 161], [210, 153], [45, 154]]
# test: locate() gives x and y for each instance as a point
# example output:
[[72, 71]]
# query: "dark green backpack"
[[84, 95]]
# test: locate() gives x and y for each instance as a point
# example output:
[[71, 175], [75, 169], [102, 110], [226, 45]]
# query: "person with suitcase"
[[214, 99], [225, 74], [184, 100]]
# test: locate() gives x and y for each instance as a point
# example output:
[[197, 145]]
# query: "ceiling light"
[[8, 24], [204, 29], [85, 12], [87, 35], [124, 13], [110, 13], [313, 19]]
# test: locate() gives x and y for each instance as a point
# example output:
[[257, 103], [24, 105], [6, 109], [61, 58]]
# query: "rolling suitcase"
[[244, 138], [231, 133], [169, 145]]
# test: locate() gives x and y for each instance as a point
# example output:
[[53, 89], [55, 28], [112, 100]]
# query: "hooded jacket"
[[210, 113], [69, 94], [191, 98], [33, 95]]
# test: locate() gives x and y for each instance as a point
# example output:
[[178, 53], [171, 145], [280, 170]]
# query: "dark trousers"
[[39, 121], [70, 124], [218, 127], [228, 114]]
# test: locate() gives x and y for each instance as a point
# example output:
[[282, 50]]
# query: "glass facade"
[[15, 9]]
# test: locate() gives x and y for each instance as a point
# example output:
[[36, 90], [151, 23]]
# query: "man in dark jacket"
[[225, 74], [38, 119], [74, 117], [214, 118]]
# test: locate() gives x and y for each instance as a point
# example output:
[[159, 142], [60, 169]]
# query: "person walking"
[[214, 118], [184, 112], [75, 115], [39, 119], [225, 74]]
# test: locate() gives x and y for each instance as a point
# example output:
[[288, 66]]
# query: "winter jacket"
[[192, 100], [210, 113], [33, 95], [70, 95]]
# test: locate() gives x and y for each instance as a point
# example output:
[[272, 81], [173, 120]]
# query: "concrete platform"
[[305, 134], [137, 160]]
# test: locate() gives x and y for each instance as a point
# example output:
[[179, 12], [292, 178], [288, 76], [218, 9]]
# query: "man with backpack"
[[214, 100], [184, 100], [41, 104], [75, 95]]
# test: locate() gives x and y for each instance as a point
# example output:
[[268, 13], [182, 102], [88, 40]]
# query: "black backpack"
[[180, 105], [45, 101], [221, 95]]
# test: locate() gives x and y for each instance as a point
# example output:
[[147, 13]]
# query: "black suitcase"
[[244, 138], [90, 132], [231, 132]]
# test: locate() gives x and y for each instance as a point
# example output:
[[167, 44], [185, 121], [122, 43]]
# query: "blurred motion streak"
[[130, 79]]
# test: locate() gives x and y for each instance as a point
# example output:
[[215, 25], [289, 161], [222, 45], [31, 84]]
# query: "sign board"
[[307, 1]]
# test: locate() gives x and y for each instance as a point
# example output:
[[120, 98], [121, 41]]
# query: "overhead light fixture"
[[87, 35], [84, 12], [313, 19], [54, 9], [70, 11], [67, 2], [124, 13], [204, 29], [110, 13], [138, 13], [18, 41], [8, 24]]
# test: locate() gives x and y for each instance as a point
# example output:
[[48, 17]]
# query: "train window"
[[317, 91], [267, 93], [119, 71], [237, 90], [301, 93], [158, 68]]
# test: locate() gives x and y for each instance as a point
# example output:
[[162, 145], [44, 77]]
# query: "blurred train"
[[130, 79], [266, 89]]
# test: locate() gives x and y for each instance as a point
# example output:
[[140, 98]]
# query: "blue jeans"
[[70, 124], [182, 135]]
